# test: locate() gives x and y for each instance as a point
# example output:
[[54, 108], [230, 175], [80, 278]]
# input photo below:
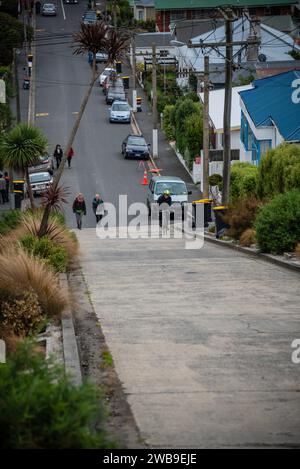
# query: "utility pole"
[[229, 16], [206, 129], [227, 112], [15, 63], [134, 108], [154, 103]]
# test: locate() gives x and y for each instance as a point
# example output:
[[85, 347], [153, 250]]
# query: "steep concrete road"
[[201, 341]]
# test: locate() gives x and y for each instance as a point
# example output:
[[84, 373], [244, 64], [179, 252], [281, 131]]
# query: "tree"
[[279, 170], [20, 148], [91, 38], [11, 36]]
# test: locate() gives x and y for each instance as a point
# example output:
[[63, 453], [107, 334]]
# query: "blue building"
[[270, 114]]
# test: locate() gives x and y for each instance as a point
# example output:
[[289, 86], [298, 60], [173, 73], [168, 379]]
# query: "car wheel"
[[125, 156]]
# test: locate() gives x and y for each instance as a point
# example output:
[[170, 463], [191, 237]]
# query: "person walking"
[[79, 208], [70, 155], [3, 189], [58, 154], [98, 207], [7, 182]]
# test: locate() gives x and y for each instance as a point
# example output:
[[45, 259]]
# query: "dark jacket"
[[79, 207], [96, 202], [58, 154], [164, 200]]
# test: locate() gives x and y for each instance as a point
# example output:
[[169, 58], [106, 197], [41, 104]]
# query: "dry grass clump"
[[21, 273], [297, 250], [247, 237], [23, 314]]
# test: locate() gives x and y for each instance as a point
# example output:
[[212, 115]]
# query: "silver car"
[[120, 111], [40, 182], [49, 9], [176, 186]]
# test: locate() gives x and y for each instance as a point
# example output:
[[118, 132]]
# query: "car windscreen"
[[40, 177], [175, 188], [136, 141], [120, 107]]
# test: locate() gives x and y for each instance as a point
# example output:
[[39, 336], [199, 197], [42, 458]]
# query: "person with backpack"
[[98, 207]]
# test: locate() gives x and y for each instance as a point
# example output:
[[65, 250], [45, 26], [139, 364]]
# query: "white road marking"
[[63, 9]]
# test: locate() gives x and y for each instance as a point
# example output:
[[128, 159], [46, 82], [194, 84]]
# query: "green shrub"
[[215, 180], [40, 408], [45, 249], [167, 125], [9, 221], [243, 181], [193, 130], [240, 216], [277, 224], [279, 171]]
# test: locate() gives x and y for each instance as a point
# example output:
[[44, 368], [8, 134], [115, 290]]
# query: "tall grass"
[[20, 273]]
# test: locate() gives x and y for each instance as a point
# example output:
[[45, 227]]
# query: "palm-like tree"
[[91, 38], [20, 148]]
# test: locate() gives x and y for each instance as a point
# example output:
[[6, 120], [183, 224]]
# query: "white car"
[[101, 57], [40, 182], [106, 72]]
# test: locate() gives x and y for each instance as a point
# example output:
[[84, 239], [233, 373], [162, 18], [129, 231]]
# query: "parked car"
[[89, 17], [49, 9], [115, 93], [40, 182], [135, 146], [101, 57], [111, 80], [45, 164], [120, 111], [107, 72], [176, 186]]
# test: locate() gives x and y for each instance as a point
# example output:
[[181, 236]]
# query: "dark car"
[[135, 146], [115, 93]]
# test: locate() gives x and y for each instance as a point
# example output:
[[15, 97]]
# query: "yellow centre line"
[[42, 114]]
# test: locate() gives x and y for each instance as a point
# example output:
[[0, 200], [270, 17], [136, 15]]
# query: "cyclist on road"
[[163, 199]]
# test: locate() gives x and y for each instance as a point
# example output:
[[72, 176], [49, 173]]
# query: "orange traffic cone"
[[145, 182]]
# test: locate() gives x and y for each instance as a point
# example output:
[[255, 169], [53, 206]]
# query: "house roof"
[[274, 45], [216, 106], [144, 3], [184, 30], [147, 39], [195, 4], [270, 101]]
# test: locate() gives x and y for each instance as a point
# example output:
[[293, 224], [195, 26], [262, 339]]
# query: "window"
[[264, 146], [140, 14], [244, 131], [178, 15]]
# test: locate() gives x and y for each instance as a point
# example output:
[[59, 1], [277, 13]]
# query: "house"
[[170, 11], [216, 106], [144, 42], [274, 47], [143, 9], [270, 114]]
